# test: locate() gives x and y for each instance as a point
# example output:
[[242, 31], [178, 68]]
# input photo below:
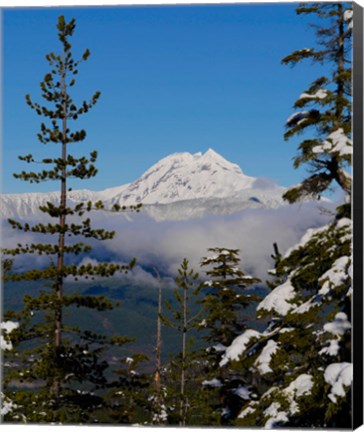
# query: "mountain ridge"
[[178, 178]]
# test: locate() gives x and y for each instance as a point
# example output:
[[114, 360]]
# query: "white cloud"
[[165, 243], [251, 231]]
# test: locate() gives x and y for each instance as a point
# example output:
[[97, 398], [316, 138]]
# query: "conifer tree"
[[159, 415], [157, 373], [225, 300], [325, 115], [7, 406], [302, 359], [224, 304], [181, 320], [64, 364], [128, 399]]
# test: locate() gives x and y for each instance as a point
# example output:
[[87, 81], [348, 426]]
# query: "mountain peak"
[[211, 152], [184, 180], [185, 176], [212, 156]]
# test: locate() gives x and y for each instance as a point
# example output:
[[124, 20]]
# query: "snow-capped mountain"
[[185, 176], [180, 186]]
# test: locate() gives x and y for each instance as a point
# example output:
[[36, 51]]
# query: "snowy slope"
[[180, 186], [23, 205], [183, 176]]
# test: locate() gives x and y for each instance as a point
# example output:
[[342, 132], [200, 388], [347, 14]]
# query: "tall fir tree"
[[181, 398], [159, 414], [226, 299], [302, 360], [326, 104], [224, 303], [63, 364]]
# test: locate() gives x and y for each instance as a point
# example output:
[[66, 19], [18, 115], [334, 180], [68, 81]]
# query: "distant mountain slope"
[[183, 176], [180, 186]]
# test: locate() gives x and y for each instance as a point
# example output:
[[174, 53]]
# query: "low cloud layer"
[[251, 231], [165, 244]]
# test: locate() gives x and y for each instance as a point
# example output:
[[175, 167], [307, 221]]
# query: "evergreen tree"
[[159, 415], [224, 303], [326, 104], [183, 322], [302, 360], [7, 406], [226, 299], [63, 364], [128, 400]]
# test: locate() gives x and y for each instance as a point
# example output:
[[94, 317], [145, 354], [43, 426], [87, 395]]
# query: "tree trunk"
[[157, 374], [61, 240], [340, 63], [342, 178], [182, 411]]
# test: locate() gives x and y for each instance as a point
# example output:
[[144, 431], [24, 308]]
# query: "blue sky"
[[172, 78]]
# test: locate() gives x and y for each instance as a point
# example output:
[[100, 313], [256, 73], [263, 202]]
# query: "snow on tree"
[[299, 369], [224, 303], [300, 365], [309, 331], [226, 297], [7, 406], [128, 396], [325, 107], [6, 328]]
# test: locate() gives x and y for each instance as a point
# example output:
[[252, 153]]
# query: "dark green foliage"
[[225, 299], [306, 338], [188, 284], [309, 308], [326, 104], [181, 397], [63, 365], [224, 304], [127, 399], [200, 402]]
